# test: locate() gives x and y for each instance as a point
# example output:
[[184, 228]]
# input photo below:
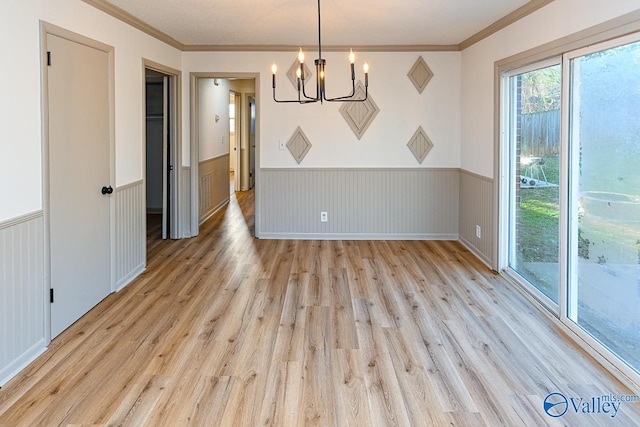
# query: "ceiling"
[[344, 22]]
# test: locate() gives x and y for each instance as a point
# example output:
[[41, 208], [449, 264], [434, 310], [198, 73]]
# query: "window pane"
[[604, 298], [535, 141]]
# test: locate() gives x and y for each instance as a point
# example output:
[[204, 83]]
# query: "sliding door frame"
[[569, 310], [613, 32], [507, 160]]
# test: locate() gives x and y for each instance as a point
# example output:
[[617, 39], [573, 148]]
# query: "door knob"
[[107, 190]]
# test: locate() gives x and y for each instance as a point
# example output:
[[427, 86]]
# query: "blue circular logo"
[[555, 405]]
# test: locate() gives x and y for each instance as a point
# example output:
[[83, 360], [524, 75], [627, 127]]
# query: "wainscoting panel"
[[476, 208], [360, 203], [213, 179], [22, 291], [131, 236]]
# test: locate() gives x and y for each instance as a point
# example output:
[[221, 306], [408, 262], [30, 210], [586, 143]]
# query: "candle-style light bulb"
[[366, 74], [274, 69], [300, 56], [352, 59], [298, 73]]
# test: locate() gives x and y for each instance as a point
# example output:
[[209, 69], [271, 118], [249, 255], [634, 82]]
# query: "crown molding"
[[335, 48], [516, 15], [135, 22], [128, 18]]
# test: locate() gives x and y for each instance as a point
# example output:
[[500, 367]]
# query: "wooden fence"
[[541, 133]]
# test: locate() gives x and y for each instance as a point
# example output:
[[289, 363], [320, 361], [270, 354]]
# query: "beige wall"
[[402, 109], [20, 115], [556, 20]]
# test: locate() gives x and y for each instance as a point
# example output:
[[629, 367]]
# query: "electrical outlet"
[[478, 232], [221, 139], [324, 217], [281, 145]]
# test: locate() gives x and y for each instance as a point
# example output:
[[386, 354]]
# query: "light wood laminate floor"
[[225, 329]]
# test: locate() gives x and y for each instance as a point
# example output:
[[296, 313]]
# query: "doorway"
[[161, 154], [225, 139]]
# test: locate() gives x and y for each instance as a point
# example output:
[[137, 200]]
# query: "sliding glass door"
[[534, 140], [571, 191], [604, 203]]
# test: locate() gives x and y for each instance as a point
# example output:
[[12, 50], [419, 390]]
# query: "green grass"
[[539, 212], [538, 229], [611, 242]]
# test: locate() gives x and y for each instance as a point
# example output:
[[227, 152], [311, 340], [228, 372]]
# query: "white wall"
[[214, 136], [402, 109], [20, 116], [556, 20]]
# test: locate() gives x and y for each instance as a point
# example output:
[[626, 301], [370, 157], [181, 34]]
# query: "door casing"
[[195, 143], [172, 177]]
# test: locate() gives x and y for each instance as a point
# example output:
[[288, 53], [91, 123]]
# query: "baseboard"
[[356, 236], [122, 283], [214, 211], [21, 362], [486, 261]]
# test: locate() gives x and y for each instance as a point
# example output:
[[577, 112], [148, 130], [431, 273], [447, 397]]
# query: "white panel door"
[[79, 168]]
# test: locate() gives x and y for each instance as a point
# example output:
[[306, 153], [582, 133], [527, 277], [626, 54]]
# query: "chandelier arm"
[[293, 101], [306, 101], [304, 93], [346, 99], [353, 92], [349, 98]]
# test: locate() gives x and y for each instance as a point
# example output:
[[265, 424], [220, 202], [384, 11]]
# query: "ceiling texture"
[[358, 23]]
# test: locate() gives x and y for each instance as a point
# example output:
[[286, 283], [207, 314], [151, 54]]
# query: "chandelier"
[[321, 94]]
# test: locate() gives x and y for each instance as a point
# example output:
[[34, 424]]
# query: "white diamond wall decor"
[[293, 77], [299, 145], [359, 115], [420, 74], [420, 144]]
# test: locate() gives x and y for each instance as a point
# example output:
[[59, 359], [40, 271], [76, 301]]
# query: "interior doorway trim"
[[195, 78], [175, 117], [51, 29], [247, 108]]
